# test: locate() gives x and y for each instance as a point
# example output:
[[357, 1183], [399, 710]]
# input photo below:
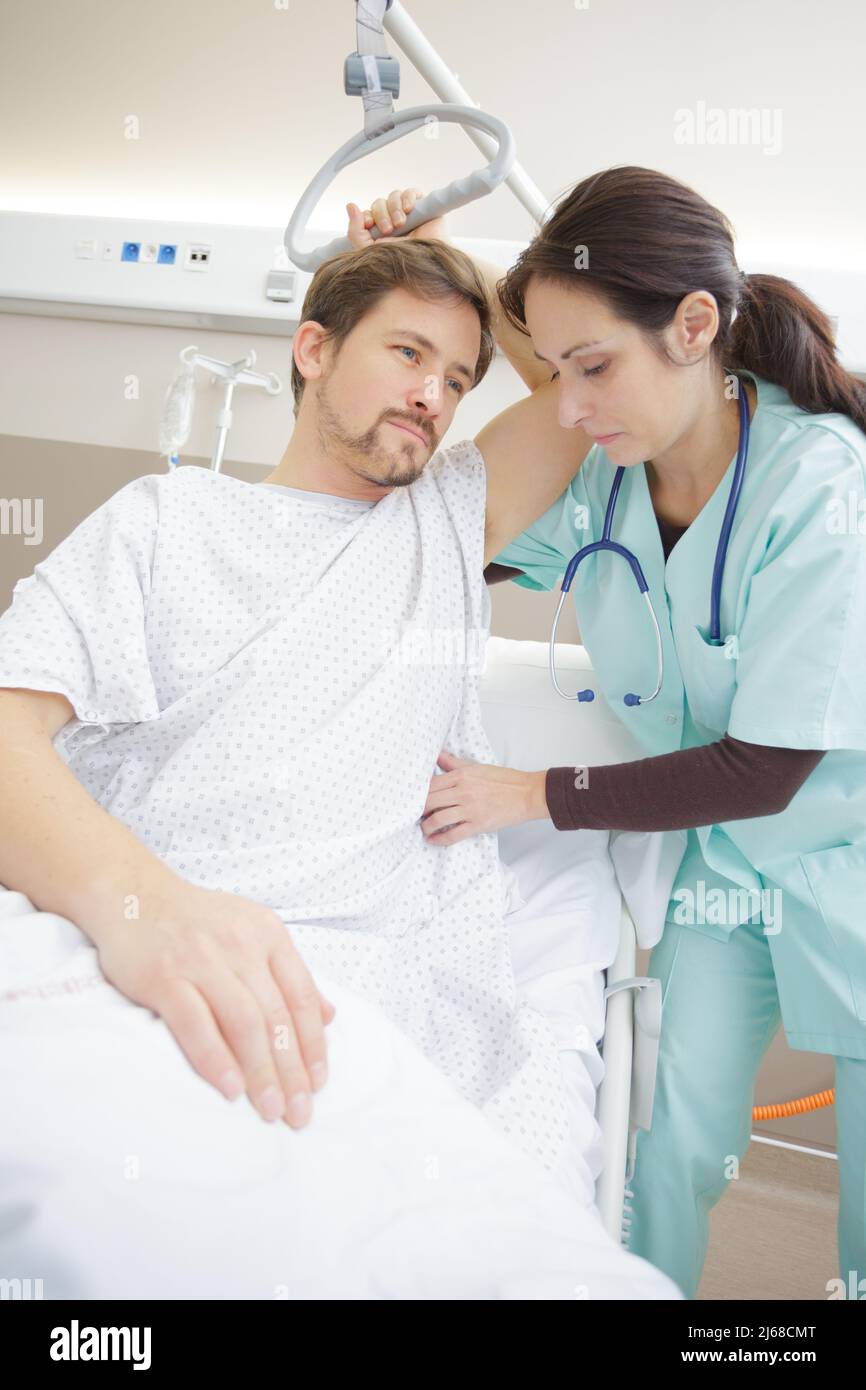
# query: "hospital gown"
[[263, 680]]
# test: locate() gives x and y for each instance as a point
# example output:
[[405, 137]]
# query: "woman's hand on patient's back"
[[224, 975], [389, 214]]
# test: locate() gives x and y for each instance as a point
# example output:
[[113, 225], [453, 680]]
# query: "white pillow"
[[531, 727]]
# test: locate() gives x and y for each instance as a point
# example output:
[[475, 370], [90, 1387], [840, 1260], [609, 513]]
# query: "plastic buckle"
[[355, 80]]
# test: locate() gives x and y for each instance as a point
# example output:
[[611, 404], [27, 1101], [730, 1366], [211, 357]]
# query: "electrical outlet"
[[197, 255]]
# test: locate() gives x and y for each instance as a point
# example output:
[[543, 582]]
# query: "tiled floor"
[[773, 1234]]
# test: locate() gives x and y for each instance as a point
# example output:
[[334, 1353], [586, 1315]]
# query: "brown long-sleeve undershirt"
[[723, 781]]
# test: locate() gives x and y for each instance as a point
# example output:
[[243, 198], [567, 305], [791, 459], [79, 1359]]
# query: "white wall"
[[240, 103]]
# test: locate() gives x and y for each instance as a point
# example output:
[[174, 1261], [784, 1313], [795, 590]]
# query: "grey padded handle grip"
[[436, 204]]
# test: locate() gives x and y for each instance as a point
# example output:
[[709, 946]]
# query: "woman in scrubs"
[[756, 745]]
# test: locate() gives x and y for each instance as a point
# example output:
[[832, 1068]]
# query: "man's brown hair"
[[348, 286]]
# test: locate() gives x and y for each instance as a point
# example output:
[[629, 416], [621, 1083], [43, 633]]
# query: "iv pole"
[[176, 421]]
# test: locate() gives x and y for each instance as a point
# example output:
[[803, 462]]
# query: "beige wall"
[[80, 403]]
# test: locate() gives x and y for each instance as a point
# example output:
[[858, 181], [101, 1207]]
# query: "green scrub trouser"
[[720, 1009]]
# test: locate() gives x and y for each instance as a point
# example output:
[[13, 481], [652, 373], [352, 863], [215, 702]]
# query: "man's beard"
[[378, 466]]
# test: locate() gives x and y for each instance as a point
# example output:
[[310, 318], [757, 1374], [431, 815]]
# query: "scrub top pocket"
[[837, 878], [710, 680]]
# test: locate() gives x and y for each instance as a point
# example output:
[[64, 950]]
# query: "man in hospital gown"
[[263, 678]]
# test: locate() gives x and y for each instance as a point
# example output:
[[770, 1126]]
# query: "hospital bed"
[[124, 1175], [574, 939]]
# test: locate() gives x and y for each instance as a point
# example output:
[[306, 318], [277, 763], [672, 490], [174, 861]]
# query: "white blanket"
[[264, 683], [124, 1175]]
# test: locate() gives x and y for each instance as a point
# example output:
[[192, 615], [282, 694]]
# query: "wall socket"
[[197, 255]]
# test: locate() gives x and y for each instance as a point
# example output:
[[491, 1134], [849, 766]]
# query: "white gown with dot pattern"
[[251, 670]]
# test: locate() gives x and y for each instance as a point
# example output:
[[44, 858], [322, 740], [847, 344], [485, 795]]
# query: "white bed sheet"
[[569, 886], [124, 1175], [564, 930]]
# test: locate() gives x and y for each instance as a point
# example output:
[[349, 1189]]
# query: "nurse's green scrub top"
[[792, 672]]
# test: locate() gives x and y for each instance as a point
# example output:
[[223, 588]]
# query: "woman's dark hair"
[[351, 284], [643, 241]]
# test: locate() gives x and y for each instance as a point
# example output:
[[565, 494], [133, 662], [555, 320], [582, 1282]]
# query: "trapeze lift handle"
[[464, 190]]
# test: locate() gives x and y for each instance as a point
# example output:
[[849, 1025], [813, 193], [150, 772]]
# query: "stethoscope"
[[607, 544]]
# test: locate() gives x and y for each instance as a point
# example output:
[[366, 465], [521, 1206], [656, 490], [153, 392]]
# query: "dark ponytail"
[[643, 241], [781, 334]]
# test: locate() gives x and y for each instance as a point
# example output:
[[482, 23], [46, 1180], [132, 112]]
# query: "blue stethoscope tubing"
[[607, 544]]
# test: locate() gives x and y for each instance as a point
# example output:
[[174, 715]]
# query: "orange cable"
[[801, 1106]]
